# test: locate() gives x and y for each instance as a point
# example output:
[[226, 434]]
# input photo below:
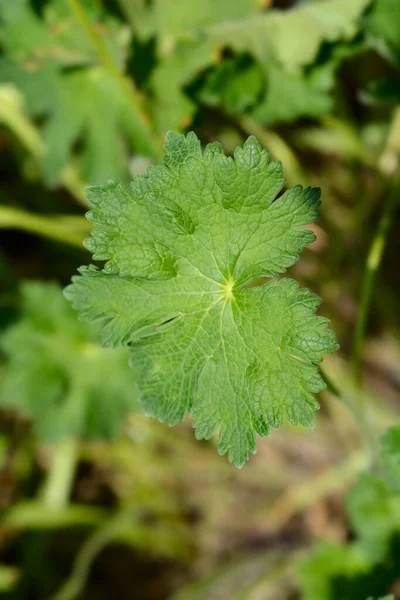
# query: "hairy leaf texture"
[[182, 247]]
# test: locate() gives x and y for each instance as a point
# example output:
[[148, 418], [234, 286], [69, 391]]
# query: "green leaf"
[[55, 39], [184, 51], [52, 62], [283, 43], [299, 94], [385, 91], [57, 374], [293, 37], [383, 25], [182, 247], [235, 85], [180, 19], [345, 571], [390, 444], [327, 562], [171, 107], [375, 514]]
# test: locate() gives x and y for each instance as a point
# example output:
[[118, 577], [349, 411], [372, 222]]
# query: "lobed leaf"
[[182, 247]]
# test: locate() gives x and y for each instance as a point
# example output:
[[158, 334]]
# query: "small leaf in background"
[[56, 373], [383, 25], [294, 37], [374, 511], [235, 85], [53, 63], [285, 44], [327, 562], [383, 92]]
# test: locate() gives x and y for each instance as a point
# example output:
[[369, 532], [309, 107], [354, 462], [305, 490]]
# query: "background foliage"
[[97, 500]]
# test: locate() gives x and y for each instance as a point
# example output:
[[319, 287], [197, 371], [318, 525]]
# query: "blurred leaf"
[[100, 120], [383, 91], [291, 95], [300, 95], [8, 577], [57, 374], [284, 43], [180, 19], [54, 64], [56, 40], [375, 514], [184, 51], [328, 561], [293, 37], [383, 24], [171, 107], [235, 85], [390, 443]]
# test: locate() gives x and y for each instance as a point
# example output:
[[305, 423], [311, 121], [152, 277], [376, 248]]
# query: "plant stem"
[[360, 417], [49, 227], [144, 139], [95, 543], [373, 262], [388, 166], [304, 495], [57, 487], [12, 114]]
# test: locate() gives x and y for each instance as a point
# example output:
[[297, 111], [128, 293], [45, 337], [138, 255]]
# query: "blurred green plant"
[[372, 562], [56, 373], [88, 89]]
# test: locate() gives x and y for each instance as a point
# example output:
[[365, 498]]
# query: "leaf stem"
[[304, 495], [50, 227], [373, 262], [360, 417], [144, 139], [95, 543], [388, 166], [57, 487], [13, 116]]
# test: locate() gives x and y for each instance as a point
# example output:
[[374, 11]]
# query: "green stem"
[[388, 166], [349, 134], [373, 262], [57, 487], [143, 135], [49, 227], [73, 183], [360, 417], [74, 585], [11, 113], [302, 496]]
